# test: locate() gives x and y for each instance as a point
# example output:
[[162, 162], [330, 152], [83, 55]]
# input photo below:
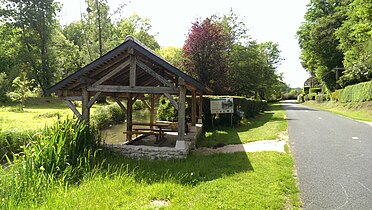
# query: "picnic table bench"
[[158, 131]]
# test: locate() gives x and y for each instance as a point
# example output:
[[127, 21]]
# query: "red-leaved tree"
[[205, 54]]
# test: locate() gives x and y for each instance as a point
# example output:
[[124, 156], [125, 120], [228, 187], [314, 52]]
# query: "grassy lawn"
[[359, 111], [38, 112], [266, 126], [261, 180]]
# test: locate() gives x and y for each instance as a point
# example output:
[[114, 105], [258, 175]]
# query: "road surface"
[[333, 157]]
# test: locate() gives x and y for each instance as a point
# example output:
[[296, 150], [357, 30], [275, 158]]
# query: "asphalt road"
[[333, 157]]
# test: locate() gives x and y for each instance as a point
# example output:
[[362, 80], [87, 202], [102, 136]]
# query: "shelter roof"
[[113, 70]]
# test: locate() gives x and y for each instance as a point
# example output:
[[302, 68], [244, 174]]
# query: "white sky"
[[267, 20]]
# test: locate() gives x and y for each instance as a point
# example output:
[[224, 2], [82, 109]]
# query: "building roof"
[[116, 62]]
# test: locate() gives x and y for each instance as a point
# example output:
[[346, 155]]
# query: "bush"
[[357, 93], [166, 110], [108, 115], [320, 98], [12, 140], [250, 108], [315, 90], [310, 96], [336, 95], [305, 90]]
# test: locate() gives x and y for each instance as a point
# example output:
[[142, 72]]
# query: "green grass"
[[38, 112], [265, 126], [358, 111], [261, 180], [225, 181]]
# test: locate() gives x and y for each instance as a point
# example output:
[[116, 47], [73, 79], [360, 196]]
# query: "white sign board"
[[222, 105]]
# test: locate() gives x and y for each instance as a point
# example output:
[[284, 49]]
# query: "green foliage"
[[315, 90], [305, 90], [355, 37], [320, 98], [137, 27], [356, 93], [56, 156], [317, 40], [336, 95], [12, 140], [250, 108], [3, 86], [105, 116], [21, 91], [166, 111], [292, 93]]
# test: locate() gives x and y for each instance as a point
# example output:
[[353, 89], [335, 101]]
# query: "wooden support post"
[[129, 117], [200, 114], [181, 144], [152, 110], [121, 105], [85, 103], [132, 71], [73, 108], [193, 108]]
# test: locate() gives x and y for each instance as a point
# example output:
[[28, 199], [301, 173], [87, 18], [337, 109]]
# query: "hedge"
[[305, 90], [356, 93], [315, 90], [250, 107]]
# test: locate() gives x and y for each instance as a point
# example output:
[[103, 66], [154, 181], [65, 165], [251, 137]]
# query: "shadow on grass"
[[225, 135], [190, 171]]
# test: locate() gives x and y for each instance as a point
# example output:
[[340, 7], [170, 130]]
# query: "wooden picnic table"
[[159, 131]]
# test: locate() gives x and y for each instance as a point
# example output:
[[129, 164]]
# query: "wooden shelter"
[[129, 72]]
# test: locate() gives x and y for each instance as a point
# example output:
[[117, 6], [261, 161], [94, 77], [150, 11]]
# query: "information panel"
[[222, 105]]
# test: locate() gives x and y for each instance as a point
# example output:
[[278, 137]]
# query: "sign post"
[[222, 106]]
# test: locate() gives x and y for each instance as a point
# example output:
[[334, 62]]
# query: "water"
[[114, 134]]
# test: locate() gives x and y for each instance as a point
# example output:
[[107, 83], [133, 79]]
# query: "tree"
[[205, 54], [139, 28], [36, 21], [173, 55], [22, 90], [317, 40], [355, 35]]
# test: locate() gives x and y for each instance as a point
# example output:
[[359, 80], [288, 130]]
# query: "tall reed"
[[53, 158]]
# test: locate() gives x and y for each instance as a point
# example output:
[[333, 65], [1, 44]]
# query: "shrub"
[[320, 98], [166, 111], [315, 90], [336, 95], [305, 90], [357, 93], [12, 140], [108, 115], [250, 108], [310, 96]]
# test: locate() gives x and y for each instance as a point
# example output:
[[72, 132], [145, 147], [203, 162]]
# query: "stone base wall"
[[148, 152], [158, 153]]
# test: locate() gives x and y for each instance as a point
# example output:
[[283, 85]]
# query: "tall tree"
[[318, 43], [36, 20], [138, 27], [355, 37], [205, 53]]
